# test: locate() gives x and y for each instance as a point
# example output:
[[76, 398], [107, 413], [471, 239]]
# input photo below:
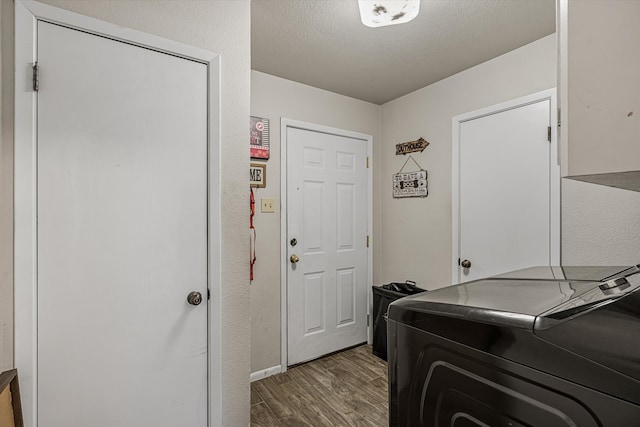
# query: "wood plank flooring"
[[345, 389]]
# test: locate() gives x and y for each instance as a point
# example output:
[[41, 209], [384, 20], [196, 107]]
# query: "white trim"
[[274, 370], [54, 15], [25, 244], [370, 234], [562, 45], [290, 123], [284, 355], [555, 184], [214, 68], [27, 14], [554, 171]]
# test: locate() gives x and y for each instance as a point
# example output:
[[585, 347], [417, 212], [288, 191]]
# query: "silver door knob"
[[466, 263], [194, 298], [294, 258]]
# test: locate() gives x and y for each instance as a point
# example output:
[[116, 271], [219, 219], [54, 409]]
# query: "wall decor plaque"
[[410, 184], [259, 138], [412, 146], [258, 175]]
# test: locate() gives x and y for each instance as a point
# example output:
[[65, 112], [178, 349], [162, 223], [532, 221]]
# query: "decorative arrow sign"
[[411, 146]]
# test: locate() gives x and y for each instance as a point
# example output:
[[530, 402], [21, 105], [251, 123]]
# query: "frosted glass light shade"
[[378, 13]]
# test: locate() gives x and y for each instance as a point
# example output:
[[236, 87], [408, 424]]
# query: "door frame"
[[27, 15], [284, 263], [554, 172]]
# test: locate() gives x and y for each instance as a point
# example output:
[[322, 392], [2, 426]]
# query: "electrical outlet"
[[268, 205]]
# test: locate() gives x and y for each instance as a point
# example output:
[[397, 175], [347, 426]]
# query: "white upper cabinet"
[[599, 61]]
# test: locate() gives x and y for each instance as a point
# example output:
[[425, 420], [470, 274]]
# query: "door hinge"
[[559, 121], [367, 241], [36, 79], [549, 133], [367, 320], [367, 162], [208, 294]]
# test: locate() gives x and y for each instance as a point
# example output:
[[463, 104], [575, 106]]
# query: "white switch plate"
[[268, 205]]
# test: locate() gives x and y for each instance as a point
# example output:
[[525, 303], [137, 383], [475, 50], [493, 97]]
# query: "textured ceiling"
[[322, 43]]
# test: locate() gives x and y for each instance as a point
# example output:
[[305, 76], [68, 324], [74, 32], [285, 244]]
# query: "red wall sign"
[[259, 138]]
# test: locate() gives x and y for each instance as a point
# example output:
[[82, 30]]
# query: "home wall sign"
[[410, 184], [258, 175], [259, 138], [412, 146]]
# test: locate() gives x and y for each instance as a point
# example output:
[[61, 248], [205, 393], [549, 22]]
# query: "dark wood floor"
[[344, 389]]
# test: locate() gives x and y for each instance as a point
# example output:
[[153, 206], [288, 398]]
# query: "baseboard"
[[255, 376]]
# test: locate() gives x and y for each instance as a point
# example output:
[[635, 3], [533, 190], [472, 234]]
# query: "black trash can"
[[382, 297]]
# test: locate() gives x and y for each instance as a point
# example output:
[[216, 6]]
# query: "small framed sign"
[[258, 175], [259, 138]]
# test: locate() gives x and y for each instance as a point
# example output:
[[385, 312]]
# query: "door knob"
[[194, 298], [294, 258], [466, 263]]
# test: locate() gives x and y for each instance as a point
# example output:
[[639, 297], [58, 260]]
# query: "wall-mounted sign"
[[410, 184], [412, 146], [258, 175], [259, 138]]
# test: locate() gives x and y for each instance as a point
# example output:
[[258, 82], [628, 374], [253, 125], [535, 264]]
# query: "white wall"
[[412, 237], [600, 225], [416, 233], [6, 185], [275, 98], [223, 27]]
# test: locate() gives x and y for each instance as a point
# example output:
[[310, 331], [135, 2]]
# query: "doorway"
[[326, 187], [115, 159], [506, 188]]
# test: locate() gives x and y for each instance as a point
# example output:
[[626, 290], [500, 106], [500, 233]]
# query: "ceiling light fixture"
[[378, 13]]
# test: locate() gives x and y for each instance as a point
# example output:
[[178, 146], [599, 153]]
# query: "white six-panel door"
[[122, 234], [327, 215]]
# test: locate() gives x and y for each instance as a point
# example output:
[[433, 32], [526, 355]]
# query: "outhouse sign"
[[412, 146]]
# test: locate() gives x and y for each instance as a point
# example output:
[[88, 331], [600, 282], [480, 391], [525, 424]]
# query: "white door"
[[505, 191], [122, 234], [327, 215]]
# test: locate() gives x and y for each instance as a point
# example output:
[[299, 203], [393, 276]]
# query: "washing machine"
[[543, 346]]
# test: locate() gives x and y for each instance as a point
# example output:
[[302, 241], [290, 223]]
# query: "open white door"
[[506, 188], [327, 212]]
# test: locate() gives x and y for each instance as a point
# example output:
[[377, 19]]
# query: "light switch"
[[268, 205]]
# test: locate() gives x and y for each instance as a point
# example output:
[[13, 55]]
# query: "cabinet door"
[[600, 89]]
